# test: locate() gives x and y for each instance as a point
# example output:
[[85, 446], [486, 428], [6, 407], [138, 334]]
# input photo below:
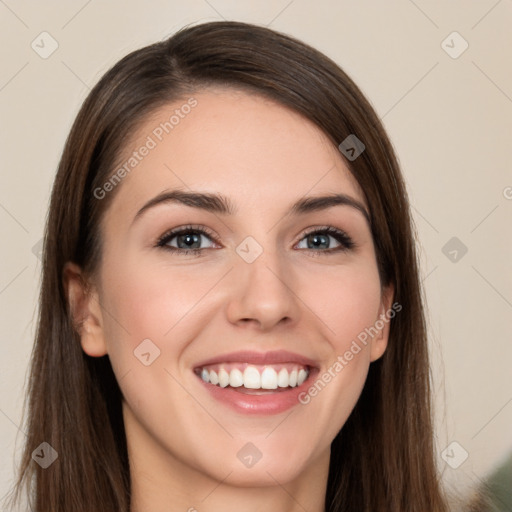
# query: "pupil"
[[188, 238], [317, 240]]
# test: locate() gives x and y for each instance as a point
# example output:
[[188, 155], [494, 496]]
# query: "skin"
[[182, 443]]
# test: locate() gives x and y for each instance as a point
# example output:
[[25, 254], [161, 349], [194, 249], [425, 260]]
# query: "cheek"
[[154, 312], [348, 305], [152, 316], [150, 302], [347, 302]]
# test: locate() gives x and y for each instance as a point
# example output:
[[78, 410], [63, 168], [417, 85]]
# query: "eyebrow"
[[219, 204]]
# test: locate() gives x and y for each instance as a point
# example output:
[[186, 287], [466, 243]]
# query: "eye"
[[189, 240], [320, 238], [185, 240]]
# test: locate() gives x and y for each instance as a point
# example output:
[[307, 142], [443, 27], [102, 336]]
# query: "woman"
[[230, 313]]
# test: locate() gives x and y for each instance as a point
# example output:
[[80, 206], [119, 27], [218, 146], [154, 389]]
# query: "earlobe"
[[85, 310], [382, 324]]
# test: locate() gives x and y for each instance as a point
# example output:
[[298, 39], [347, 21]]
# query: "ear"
[[382, 323], [85, 310]]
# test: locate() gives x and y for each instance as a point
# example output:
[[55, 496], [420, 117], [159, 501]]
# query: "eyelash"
[[346, 243]]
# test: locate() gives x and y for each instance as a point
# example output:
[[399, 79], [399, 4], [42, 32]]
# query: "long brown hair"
[[382, 459]]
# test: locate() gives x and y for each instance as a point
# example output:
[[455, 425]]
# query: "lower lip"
[[268, 403]]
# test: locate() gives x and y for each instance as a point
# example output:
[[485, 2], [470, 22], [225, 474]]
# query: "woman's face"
[[211, 348]]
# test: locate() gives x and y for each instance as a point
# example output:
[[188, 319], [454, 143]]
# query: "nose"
[[262, 293]]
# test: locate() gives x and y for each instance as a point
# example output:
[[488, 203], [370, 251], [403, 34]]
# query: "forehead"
[[250, 148]]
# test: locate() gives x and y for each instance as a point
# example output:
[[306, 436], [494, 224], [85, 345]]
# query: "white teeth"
[[214, 379], [269, 379], [236, 378], [251, 378], [282, 378], [223, 378], [302, 376]]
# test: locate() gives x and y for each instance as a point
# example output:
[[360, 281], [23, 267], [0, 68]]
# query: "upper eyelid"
[[171, 233]]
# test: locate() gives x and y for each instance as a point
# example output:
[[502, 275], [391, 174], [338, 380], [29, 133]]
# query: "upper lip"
[[259, 358]]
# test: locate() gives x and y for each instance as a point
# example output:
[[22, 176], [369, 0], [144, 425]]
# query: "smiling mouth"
[[257, 383], [255, 379]]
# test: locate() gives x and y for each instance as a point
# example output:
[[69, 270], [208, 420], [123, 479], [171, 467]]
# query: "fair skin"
[[183, 442]]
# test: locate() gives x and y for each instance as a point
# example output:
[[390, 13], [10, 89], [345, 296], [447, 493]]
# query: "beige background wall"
[[449, 115]]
